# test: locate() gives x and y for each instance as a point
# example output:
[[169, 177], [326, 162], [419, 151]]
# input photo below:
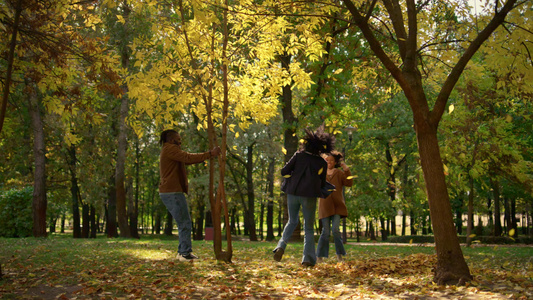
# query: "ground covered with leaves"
[[60, 267]]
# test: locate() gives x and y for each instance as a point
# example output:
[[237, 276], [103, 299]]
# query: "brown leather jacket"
[[173, 174]]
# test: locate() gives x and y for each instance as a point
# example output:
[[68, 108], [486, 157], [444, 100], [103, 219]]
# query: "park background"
[[89, 86]]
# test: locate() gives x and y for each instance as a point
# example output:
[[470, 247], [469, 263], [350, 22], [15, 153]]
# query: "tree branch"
[[395, 12], [374, 44], [453, 77]]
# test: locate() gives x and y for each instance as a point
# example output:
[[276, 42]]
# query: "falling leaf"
[[287, 176], [511, 232], [472, 235], [451, 108], [351, 177], [236, 135], [320, 171], [284, 150], [302, 141]]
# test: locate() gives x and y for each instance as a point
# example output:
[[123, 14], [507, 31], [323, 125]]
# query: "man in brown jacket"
[[174, 185]]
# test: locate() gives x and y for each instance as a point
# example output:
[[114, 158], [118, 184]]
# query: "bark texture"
[[39, 203]]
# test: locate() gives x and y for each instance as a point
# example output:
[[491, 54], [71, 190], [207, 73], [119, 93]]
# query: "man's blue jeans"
[[308, 205], [176, 204], [322, 250]]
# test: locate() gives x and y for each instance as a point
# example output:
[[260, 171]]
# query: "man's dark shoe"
[[278, 254], [186, 257], [307, 264]]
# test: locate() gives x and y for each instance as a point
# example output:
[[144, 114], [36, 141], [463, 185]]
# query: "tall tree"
[[122, 146], [451, 267], [208, 65], [39, 203]]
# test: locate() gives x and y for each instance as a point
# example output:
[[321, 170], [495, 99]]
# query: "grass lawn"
[[60, 267]]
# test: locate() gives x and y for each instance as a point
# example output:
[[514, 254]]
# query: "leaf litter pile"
[[66, 268]]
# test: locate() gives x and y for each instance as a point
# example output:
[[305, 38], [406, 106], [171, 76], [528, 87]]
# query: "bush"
[[16, 213]]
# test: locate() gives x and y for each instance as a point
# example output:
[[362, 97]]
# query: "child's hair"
[[318, 142], [164, 136]]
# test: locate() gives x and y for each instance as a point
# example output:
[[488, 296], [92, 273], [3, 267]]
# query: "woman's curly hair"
[[337, 156], [318, 142]]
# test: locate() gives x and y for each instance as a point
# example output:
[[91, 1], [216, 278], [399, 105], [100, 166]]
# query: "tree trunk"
[[424, 226], [412, 221], [489, 213], [135, 194], [74, 193], [470, 219], [407, 184], [251, 195], [120, 171], [479, 227], [39, 203], [280, 214], [371, 232], [199, 233], [133, 206], [168, 226], [514, 222], [157, 223], [459, 222], [404, 223], [122, 138], [497, 211], [383, 229], [451, 266], [85, 220], [233, 222], [52, 225], [261, 220], [290, 140], [111, 216], [507, 214], [63, 217], [270, 203], [391, 186], [94, 222]]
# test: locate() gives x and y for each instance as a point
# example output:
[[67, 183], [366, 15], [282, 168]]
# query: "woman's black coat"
[[307, 174]]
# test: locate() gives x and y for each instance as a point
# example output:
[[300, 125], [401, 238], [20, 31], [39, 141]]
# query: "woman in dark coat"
[[304, 174]]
